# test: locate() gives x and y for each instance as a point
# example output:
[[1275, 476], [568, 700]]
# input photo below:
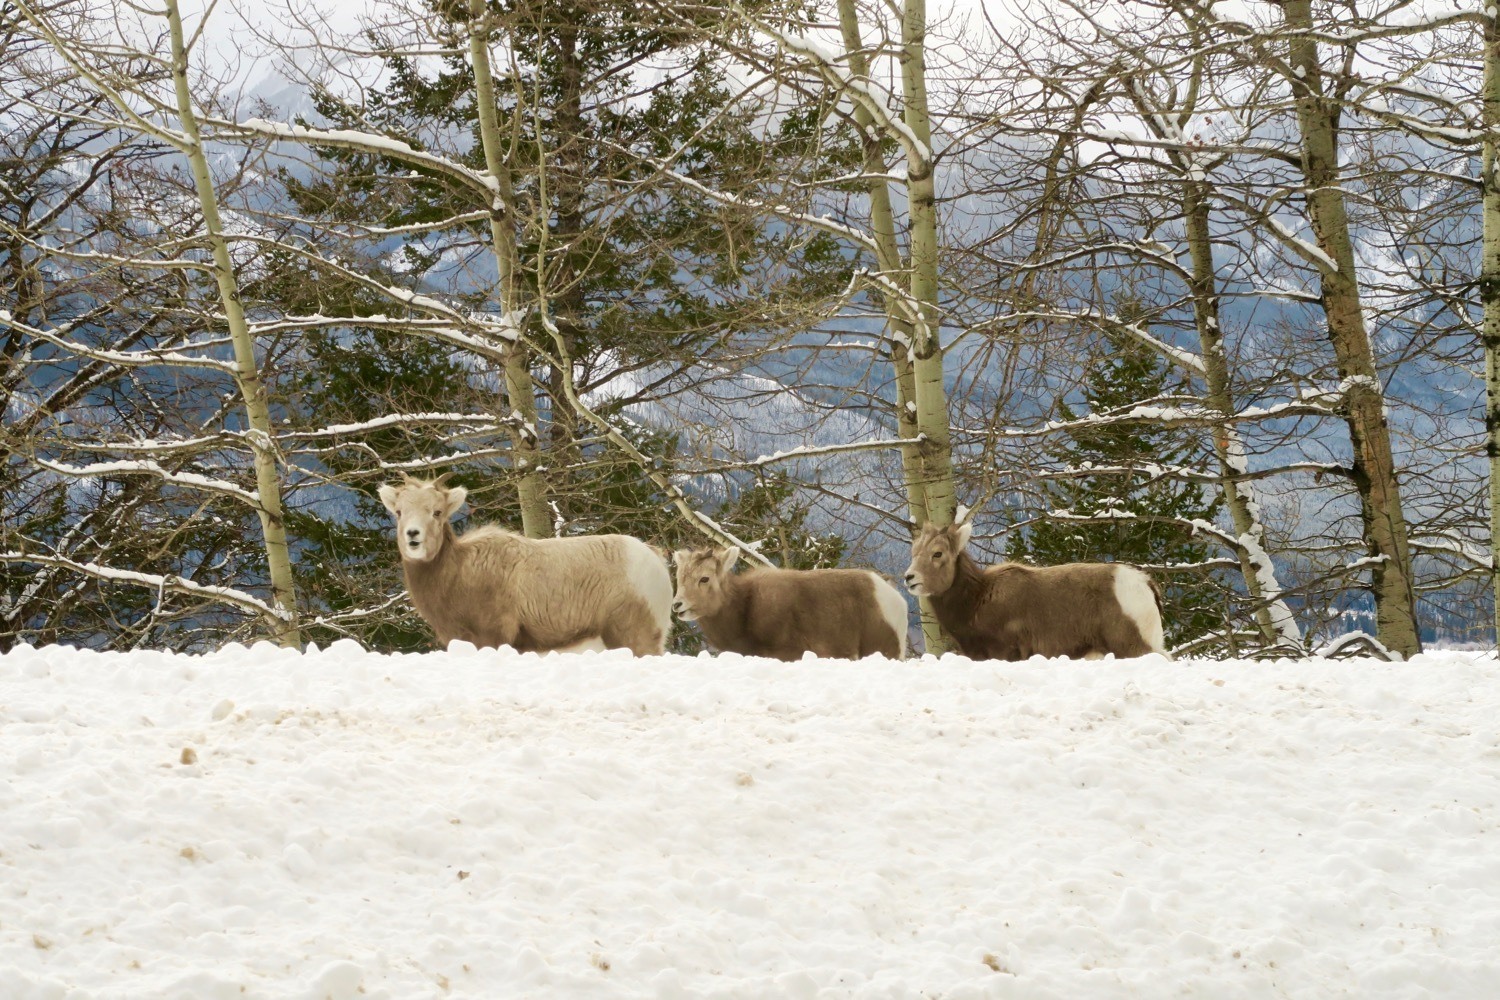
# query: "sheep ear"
[[961, 535], [388, 497], [456, 497], [728, 556]]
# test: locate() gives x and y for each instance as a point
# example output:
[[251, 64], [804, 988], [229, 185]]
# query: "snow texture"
[[259, 823]]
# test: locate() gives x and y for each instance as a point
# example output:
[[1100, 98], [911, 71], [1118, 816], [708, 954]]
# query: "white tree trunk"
[[931, 390], [1271, 614], [535, 519], [897, 310], [1489, 288], [247, 376]]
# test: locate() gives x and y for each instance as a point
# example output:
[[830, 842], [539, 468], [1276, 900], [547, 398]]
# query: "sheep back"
[[1070, 610], [833, 613], [493, 587]]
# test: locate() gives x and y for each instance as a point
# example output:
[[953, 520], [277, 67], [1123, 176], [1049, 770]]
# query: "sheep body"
[[493, 587], [780, 613], [1011, 611]]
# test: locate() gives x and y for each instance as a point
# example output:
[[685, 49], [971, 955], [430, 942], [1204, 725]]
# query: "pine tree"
[[1157, 510], [768, 510]]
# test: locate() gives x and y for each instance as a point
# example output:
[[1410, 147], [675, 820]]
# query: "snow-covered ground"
[[342, 824]]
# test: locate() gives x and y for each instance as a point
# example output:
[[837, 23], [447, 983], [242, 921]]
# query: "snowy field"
[[341, 824]]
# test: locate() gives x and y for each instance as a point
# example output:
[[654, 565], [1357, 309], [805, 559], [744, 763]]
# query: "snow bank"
[[265, 824]]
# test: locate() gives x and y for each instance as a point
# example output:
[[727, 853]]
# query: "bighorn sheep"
[[783, 613], [1011, 611], [492, 587]]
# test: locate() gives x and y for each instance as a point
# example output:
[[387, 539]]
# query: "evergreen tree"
[[768, 510], [1155, 529], [638, 277]]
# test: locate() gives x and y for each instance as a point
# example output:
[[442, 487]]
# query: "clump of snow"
[[264, 823]]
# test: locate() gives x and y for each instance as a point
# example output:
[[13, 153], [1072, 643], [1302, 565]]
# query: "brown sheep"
[[1012, 612], [782, 613], [495, 588]]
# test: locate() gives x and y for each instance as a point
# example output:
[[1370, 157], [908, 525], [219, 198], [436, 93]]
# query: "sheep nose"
[[911, 577], [678, 607], [413, 532]]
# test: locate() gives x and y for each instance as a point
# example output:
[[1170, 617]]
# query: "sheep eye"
[[936, 556], [437, 513], [703, 579]]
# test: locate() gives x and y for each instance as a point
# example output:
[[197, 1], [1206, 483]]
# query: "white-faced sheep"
[[493, 587], [1010, 611], [836, 613]]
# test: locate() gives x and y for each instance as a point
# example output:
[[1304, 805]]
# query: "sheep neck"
[[964, 591], [727, 628], [449, 557]]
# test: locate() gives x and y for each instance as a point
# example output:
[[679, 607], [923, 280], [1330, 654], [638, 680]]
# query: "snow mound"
[[259, 823]]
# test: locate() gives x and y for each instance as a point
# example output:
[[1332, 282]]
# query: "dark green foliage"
[[1121, 374], [768, 509]]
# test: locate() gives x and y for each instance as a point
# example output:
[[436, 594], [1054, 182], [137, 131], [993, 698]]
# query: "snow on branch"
[[1354, 644], [718, 532], [1152, 250], [1447, 544], [427, 464], [176, 584], [1137, 332], [146, 467], [1307, 251], [167, 446], [1195, 525], [393, 420], [807, 451], [827, 66], [561, 360], [1180, 472], [821, 222], [165, 358], [1181, 357], [336, 622], [367, 142], [493, 333], [1171, 416]]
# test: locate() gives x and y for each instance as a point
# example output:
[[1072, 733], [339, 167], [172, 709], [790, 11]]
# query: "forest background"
[[1211, 287]]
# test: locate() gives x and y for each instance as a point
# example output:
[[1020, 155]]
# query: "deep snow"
[[266, 824]]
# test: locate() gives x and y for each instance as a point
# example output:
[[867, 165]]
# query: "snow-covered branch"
[[176, 584], [150, 357], [146, 467], [812, 451], [1168, 416], [830, 68], [365, 142]]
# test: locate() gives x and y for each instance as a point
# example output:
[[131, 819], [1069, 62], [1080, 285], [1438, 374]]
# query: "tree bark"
[[525, 442], [567, 297], [251, 387], [1489, 289], [1374, 470], [888, 260], [1272, 616], [931, 390]]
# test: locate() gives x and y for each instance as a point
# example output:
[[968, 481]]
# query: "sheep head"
[[422, 509], [702, 580], [934, 554]]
